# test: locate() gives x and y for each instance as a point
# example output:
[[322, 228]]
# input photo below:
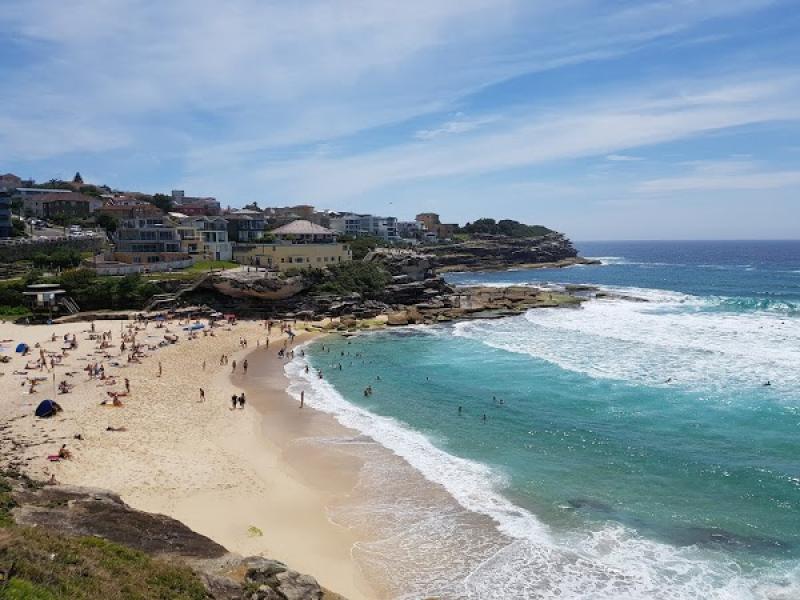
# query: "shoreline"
[[199, 462]]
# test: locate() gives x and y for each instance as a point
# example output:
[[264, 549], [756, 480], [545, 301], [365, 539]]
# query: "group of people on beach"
[[240, 400]]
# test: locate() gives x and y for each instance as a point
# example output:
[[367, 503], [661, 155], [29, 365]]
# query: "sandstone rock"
[[397, 318], [295, 586]]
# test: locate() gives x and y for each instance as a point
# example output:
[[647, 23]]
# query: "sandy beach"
[[230, 474]]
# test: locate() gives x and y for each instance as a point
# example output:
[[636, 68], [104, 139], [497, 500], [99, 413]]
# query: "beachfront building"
[[204, 237], [60, 203], [357, 225], [245, 225], [148, 241], [297, 245]]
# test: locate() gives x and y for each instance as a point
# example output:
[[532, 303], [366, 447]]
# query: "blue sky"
[[606, 119]]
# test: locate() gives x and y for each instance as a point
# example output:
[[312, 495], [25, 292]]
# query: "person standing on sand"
[[127, 386], [302, 398], [160, 370], [204, 365], [234, 399], [202, 395], [244, 366], [241, 400], [233, 366]]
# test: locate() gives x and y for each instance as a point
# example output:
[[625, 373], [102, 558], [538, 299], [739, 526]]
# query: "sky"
[[604, 119]]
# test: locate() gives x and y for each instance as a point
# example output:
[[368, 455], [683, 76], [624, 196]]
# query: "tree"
[[77, 178], [162, 201], [108, 222], [361, 245], [252, 206]]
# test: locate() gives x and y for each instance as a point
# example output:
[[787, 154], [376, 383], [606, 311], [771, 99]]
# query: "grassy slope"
[[49, 566]]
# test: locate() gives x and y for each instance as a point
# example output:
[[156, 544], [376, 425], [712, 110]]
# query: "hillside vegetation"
[[38, 564], [506, 227]]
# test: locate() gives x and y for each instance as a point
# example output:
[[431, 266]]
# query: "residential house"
[[410, 230], [9, 182], [60, 203], [288, 214], [149, 240], [355, 225], [434, 226], [245, 225], [297, 245], [128, 208], [204, 237], [195, 206]]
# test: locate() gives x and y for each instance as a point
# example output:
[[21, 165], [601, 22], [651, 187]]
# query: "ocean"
[[646, 445]]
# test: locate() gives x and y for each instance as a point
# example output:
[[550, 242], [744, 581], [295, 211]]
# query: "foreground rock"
[[76, 511]]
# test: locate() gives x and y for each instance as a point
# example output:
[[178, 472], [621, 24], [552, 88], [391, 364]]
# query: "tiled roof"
[[69, 196], [302, 227]]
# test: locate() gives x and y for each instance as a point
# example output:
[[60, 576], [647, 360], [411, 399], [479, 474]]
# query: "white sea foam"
[[472, 484], [670, 337]]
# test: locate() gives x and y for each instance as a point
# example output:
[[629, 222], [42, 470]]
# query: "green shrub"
[[93, 293], [349, 277]]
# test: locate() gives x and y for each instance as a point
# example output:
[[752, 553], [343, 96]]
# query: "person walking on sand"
[[160, 370], [302, 398], [127, 386], [233, 364], [202, 395], [234, 399], [244, 366], [241, 400]]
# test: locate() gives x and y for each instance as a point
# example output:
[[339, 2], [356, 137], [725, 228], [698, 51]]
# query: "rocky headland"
[[414, 290]]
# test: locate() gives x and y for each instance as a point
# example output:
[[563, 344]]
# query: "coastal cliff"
[[496, 252]]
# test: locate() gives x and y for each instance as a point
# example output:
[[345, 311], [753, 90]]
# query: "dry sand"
[[200, 462]]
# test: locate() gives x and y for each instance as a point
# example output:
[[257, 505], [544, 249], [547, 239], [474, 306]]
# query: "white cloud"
[[623, 158], [567, 132], [724, 175], [459, 124], [256, 75]]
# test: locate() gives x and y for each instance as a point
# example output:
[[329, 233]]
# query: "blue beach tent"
[[47, 408], [22, 347]]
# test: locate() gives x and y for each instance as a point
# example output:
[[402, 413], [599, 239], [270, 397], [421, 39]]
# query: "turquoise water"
[[637, 435]]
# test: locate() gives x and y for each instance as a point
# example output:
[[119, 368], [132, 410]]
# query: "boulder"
[[397, 318]]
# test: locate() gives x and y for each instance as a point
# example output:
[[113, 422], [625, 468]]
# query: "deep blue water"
[[640, 435]]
